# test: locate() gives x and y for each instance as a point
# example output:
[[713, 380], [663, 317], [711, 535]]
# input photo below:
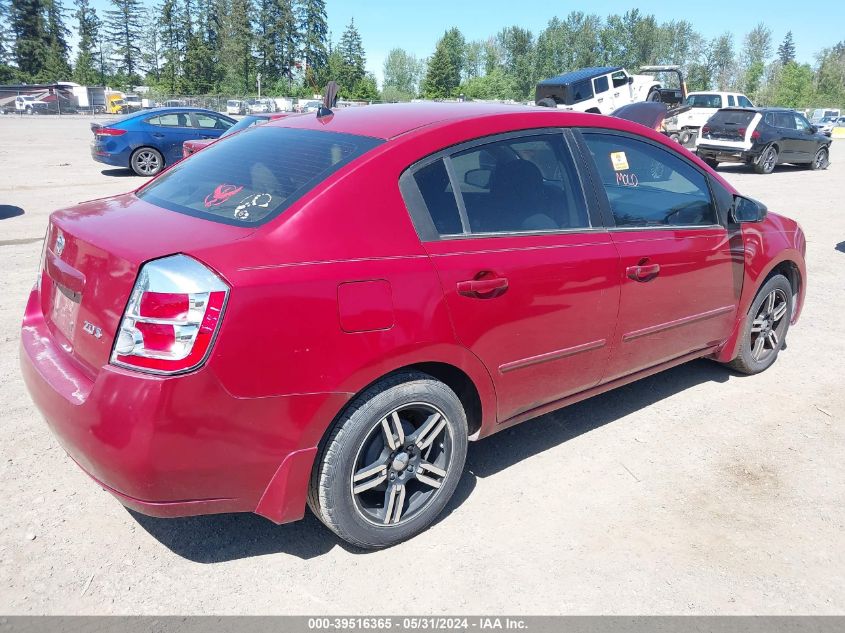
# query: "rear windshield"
[[732, 117], [255, 175], [704, 101]]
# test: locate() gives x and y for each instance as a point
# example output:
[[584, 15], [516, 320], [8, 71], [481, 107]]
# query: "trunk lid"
[[92, 256], [729, 125]]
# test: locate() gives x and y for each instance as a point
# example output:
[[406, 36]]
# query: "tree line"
[[223, 46]]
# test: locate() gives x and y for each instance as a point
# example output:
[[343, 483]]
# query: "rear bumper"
[[725, 153], [175, 446], [102, 153]]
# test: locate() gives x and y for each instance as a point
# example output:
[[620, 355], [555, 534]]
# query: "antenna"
[[329, 100]]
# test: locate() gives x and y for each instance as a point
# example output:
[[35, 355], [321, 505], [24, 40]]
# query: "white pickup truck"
[[686, 126], [29, 104]]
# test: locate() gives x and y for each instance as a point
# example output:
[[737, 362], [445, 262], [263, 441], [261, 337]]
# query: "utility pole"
[[258, 79]]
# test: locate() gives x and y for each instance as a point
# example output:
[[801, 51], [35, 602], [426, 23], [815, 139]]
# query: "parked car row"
[[324, 310]]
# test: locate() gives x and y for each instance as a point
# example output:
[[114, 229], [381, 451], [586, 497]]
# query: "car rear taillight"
[[705, 130], [172, 317], [755, 135], [109, 131], [741, 131]]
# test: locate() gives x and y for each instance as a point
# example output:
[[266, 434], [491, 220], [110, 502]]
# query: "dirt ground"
[[695, 491]]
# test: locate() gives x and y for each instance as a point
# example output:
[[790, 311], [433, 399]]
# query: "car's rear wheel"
[[654, 95], [766, 162], [146, 161], [765, 327], [821, 160], [392, 461], [548, 102]]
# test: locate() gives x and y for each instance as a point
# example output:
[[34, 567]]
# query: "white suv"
[[601, 90]]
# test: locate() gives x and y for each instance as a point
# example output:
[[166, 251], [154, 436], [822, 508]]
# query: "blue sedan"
[[149, 140]]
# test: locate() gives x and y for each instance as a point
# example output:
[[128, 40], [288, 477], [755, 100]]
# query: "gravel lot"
[[693, 491]]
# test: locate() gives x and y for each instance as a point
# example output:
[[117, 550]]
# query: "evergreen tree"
[[237, 44], [124, 24], [314, 32], [287, 40], [6, 42], [88, 27], [30, 32], [56, 65], [444, 68], [786, 51], [170, 45], [151, 50], [351, 51]]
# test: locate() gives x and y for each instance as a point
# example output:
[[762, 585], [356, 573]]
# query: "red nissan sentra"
[[324, 310]]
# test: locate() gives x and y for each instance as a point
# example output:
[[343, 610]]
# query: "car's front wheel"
[[392, 461], [821, 160], [146, 161], [712, 163], [765, 328]]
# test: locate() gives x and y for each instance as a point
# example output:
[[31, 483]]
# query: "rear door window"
[[744, 102], [254, 175], [173, 119], [784, 120], [648, 186], [516, 185], [601, 84]]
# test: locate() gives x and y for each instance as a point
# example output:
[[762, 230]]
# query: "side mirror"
[[748, 210], [630, 80], [478, 178], [812, 129]]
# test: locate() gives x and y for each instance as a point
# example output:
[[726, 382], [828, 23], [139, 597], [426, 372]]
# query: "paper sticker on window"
[[619, 160]]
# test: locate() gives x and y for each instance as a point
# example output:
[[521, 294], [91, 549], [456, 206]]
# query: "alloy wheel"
[[768, 326], [769, 159], [402, 464], [820, 160], [147, 162]]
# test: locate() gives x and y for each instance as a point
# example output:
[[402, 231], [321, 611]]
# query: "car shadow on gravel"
[[226, 537], [740, 168], [9, 211], [120, 172]]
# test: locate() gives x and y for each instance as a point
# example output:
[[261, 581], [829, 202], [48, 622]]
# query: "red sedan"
[[324, 310]]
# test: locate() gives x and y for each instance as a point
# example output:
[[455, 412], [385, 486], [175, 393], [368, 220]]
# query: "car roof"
[[578, 75], [387, 121]]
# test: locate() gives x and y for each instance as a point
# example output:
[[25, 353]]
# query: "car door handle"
[[158, 135], [486, 288], [643, 272]]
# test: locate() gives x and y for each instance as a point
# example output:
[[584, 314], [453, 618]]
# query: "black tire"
[[548, 102], [765, 163], [358, 444], [821, 160], [749, 359], [712, 163], [146, 161], [654, 95]]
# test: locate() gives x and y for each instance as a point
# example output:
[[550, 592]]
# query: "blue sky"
[[416, 25]]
